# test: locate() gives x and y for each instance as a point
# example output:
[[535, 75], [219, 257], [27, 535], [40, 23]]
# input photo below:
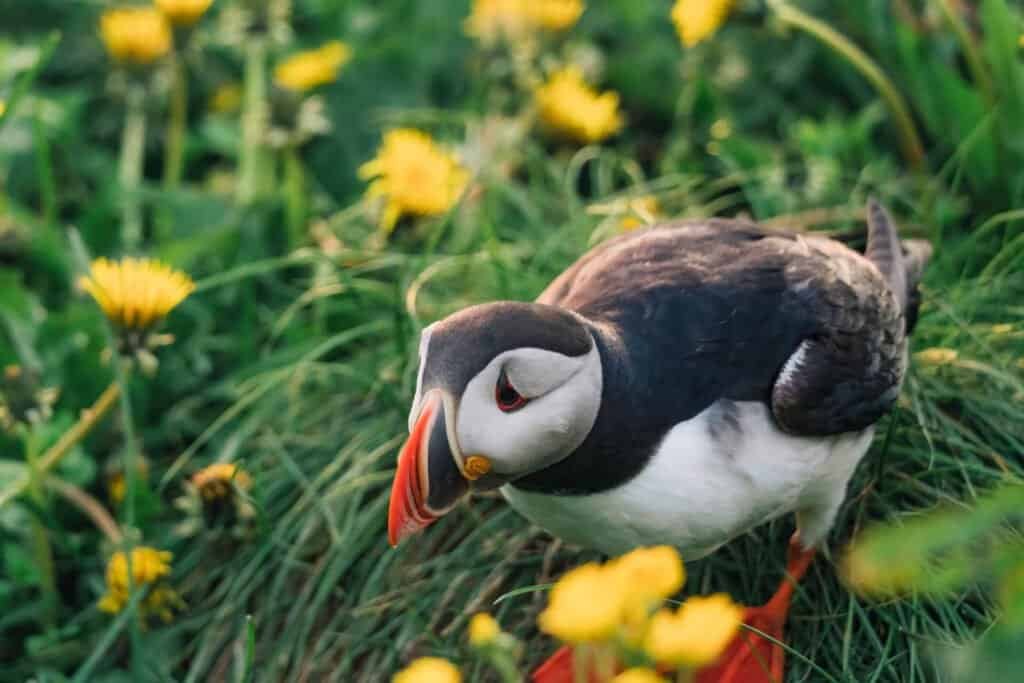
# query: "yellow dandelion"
[[1001, 329], [696, 634], [493, 20], [936, 356], [638, 675], [572, 109], [428, 670], [226, 98], [483, 629], [310, 69], [653, 573], [3, 107], [697, 20], [555, 15], [183, 12], [136, 293], [216, 481], [149, 566], [641, 211], [415, 175], [135, 35], [586, 605]]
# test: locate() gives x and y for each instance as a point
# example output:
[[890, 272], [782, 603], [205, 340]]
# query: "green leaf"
[[14, 477]]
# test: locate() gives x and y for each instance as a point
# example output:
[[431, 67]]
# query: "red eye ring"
[[506, 396]]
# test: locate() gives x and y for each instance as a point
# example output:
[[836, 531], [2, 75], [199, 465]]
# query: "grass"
[[297, 360]]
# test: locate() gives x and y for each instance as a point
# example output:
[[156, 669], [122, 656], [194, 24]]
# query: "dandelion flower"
[[655, 573], [135, 35], [136, 293], [415, 175], [493, 20], [310, 69], [183, 12], [638, 675], [571, 108], [428, 670], [149, 567], [936, 356], [698, 20], [483, 629], [217, 481], [555, 15], [696, 634], [586, 605]]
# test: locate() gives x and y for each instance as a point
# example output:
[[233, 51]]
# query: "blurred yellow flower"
[[571, 108], [116, 484], [428, 670], [136, 293], [555, 15], [415, 175], [183, 12], [936, 356], [1001, 328], [641, 211], [587, 604], [217, 480], [697, 20], [493, 20], [149, 566], [653, 573], [696, 634], [226, 98], [638, 675], [312, 68], [135, 35], [3, 107], [483, 629]]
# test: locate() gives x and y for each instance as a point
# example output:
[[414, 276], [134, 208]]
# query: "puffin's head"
[[504, 389]]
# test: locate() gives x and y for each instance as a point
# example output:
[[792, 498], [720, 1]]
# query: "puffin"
[[680, 385]]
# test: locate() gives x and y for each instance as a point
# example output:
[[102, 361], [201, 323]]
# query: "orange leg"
[[750, 658]]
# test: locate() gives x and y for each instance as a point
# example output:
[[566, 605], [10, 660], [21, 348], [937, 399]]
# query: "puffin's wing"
[[846, 374]]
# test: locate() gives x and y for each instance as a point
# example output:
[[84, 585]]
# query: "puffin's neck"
[[624, 434]]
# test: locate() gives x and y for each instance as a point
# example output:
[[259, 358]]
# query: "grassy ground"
[[296, 354]]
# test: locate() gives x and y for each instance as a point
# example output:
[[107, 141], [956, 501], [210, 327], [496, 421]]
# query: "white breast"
[[711, 479]]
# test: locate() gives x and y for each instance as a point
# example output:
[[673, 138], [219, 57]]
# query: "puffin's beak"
[[429, 480]]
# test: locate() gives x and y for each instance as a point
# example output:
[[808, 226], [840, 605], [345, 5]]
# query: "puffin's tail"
[[901, 263]]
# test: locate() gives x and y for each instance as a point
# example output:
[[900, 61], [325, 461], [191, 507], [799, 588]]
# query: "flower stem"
[[44, 169], [133, 143], [42, 550], [91, 507], [910, 141], [295, 197], [90, 417], [254, 120], [174, 141]]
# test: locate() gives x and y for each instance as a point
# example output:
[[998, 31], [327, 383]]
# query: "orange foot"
[[750, 658]]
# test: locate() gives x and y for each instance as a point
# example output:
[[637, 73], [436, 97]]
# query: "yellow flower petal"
[[135, 35], [697, 634], [638, 675], [219, 480], [483, 629], [571, 108], [587, 604], [415, 175], [136, 293], [312, 68], [428, 670], [183, 12], [697, 20]]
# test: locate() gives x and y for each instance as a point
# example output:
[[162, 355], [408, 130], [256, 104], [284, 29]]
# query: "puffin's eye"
[[506, 396]]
